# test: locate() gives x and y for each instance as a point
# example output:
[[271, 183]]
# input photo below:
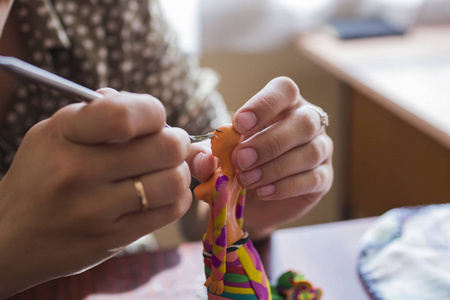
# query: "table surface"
[[408, 75], [326, 254]]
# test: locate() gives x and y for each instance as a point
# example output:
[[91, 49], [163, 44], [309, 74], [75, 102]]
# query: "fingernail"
[[266, 190], [250, 177], [245, 121], [198, 163], [246, 158]]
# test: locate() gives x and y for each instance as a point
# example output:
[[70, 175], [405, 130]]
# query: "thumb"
[[201, 161]]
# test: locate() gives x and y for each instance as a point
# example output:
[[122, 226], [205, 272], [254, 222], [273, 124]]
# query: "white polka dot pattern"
[[123, 44]]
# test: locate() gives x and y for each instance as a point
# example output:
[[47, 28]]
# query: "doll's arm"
[[219, 246], [240, 207]]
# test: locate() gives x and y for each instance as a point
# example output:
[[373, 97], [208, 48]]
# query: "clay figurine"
[[233, 267]]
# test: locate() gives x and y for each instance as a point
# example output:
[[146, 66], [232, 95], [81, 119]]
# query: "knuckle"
[[88, 221], [318, 179], [291, 187], [48, 127], [157, 109], [328, 179], [64, 112], [270, 102], [177, 209], [317, 151], [68, 173], [330, 143], [278, 167], [177, 148], [59, 122], [180, 180], [311, 198], [288, 87], [118, 119], [309, 124], [274, 145]]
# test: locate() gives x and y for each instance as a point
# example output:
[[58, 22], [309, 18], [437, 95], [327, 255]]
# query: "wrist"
[[18, 270], [11, 279], [16, 276]]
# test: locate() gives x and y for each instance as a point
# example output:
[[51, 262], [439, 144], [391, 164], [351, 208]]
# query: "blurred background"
[[380, 68]]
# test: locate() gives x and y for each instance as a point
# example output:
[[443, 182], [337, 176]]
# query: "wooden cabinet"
[[391, 163], [396, 101]]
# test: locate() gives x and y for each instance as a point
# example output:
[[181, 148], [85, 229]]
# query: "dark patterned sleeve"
[[128, 45], [188, 91], [123, 44]]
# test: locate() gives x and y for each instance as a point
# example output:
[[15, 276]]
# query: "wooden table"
[[326, 254], [395, 102], [407, 75]]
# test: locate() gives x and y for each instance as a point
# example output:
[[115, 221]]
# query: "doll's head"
[[224, 140]]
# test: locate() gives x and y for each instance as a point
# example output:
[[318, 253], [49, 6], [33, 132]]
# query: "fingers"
[[161, 188], [299, 128], [165, 149], [279, 95], [74, 164], [201, 161], [117, 116], [136, 224], [315, 181], [298, 160], [118, 137], [168, 198], [158, 160]]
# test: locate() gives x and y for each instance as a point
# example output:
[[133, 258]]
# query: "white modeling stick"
[[41, 76], [63, 85]]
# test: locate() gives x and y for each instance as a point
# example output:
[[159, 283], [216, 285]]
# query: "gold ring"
[[139, 187]]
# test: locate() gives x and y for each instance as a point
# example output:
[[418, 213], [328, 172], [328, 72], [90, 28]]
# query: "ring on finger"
[[324, 121], [140, 191]]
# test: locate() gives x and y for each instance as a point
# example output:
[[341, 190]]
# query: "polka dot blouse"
[[123, 44]]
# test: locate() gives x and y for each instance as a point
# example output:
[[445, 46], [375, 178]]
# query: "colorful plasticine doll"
[[293, 286], [232, 265]]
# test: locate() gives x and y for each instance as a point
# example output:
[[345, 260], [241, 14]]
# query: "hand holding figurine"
[[284, 161], [286, 157]]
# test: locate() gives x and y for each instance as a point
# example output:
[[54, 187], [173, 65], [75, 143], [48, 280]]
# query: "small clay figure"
[[232, 265], [294, 286]]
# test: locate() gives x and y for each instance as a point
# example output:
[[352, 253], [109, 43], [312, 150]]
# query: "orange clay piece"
[[222, 144], [226, 247]]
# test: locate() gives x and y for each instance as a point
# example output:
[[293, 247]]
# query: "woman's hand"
[[68, 201], [284, 161]]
